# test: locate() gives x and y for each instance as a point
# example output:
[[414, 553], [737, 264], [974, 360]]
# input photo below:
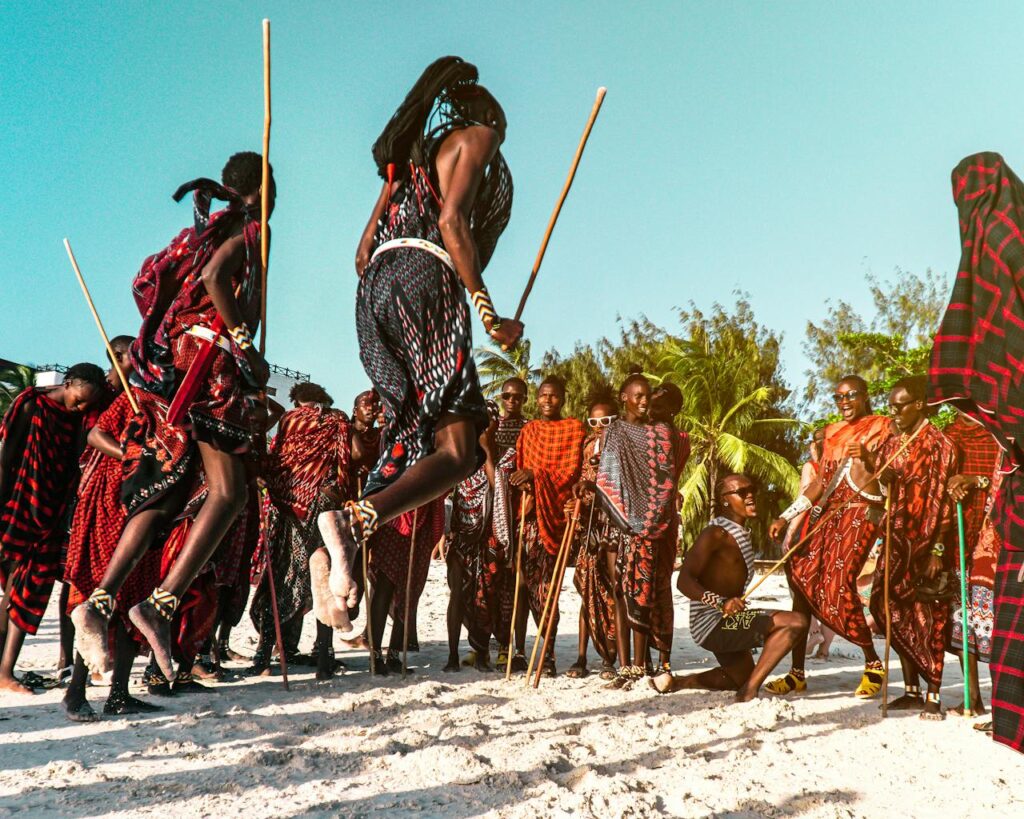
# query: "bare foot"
[[977, 709], [14, 686], [325, 604], [77, 709], [341, 546], [121, 704], [933, 712], [359, 643], [908, 702], [483, 661], [745, 694], [91, 637], [157, 631], [577, 670], [453, 664]]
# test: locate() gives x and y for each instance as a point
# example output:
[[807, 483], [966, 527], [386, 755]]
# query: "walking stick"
[[542, 621], [561, 200], [885, 599], [556, 592], [963, 605], [408, 596], [99, 325], [515, 599], [366, 590], [828, 516], [265, 189], [277, 622]]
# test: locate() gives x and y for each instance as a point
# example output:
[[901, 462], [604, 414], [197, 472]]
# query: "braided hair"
[[444, 99]]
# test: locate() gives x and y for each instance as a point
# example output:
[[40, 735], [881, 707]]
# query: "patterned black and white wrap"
[[704, 618]]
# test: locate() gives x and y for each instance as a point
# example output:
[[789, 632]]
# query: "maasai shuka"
[[636, 476], [312, 450], [977, 364], [97, 524], [390, 546], [37, 491], [921, 517], [826, 568], [978, 454], [163, 350], [553, 452]]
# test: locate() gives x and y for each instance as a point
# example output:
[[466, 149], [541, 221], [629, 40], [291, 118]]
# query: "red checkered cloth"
[[553, 451], [1007, 665]]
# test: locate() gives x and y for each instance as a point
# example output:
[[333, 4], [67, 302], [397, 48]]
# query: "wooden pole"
[[515, 599], [265, 189], [366, 589], [408, 595], [556, 591], [885, 598], [99, 325], [547, 615], [561, 200], [277, 621], [827, 516]]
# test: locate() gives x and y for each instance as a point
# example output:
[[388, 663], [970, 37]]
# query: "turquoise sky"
[[785, 149]]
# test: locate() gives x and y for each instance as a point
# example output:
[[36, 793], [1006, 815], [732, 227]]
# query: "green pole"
[[963, 605]]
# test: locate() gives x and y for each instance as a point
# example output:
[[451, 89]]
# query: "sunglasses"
[[844, 397], [896, 407], [513, 396], [604, 421], [745, 492]]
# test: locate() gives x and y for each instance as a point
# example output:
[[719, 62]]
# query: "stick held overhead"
[[99, 324], [561, 200], [265, 188]]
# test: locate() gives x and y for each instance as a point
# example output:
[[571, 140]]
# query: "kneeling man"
[[714, 575]]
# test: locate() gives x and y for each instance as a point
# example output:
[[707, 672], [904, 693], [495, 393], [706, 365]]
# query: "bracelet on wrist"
[[485, 308], [796, 508], [716, 601], [939, 549], [241, 336]]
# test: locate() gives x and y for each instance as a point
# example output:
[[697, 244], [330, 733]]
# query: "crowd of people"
[[164, 507]]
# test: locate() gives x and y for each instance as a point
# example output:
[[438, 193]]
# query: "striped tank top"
[[704, 618]]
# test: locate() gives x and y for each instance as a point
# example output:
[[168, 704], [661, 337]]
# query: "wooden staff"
[[366, 589], [828, 515], [265, 189], [408, 595], [99, 325], [547, 614], [555, 591], [515, 599], [561, 200], [885, 599], [277, 621]]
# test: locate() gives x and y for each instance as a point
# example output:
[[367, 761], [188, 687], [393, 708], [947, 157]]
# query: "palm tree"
[[496, 366], [731, 413], [13, 380]]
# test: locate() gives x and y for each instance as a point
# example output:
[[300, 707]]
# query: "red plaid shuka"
[[37, 490], [978, 365], [311, 450], [98, 522], [553, 451], [979, 454], [164, 349], [921, 517]]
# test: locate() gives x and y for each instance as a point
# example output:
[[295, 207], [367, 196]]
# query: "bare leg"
[[801, 607], [622, 629], [67, 630], [120, 702], [579, 668], [11, 650], [727, 677], [912, 699], [324, 655], [76, 706], [455, 611], [787, 628], [381, 596], [225, 499], [977, 703]]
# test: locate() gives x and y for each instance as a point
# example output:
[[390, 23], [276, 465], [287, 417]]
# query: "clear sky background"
[[785, 149]]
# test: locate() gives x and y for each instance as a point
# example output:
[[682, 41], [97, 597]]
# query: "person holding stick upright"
[[446, 199], [823, 574], [922, 545], [209, 275]]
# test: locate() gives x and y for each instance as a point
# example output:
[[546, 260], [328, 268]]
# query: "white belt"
[[420, 244], [207, 334]]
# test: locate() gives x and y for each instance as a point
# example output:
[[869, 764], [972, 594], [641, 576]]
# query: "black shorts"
[[738, 634]]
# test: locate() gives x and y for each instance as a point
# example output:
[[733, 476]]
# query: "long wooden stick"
[[548, 614], [515, 599], [828, 515], [366, 589], [408, 595], [277, 620], [265, 189], [99, 325], [885, 600], [561, 200], [556, 592]]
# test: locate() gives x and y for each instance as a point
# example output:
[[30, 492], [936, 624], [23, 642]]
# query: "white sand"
[[470, 744]]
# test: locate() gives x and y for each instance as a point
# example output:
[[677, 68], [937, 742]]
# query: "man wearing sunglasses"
[[714, 575], [922, 525], [513, 398], [848, 500]]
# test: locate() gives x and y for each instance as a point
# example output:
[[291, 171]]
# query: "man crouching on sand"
[[714, 575]]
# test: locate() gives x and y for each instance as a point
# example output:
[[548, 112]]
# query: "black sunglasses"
[[744, 492], [513, 396], [843, 397]]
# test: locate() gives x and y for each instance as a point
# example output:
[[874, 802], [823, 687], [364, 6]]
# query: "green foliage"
[[496, 366], [14, 380]]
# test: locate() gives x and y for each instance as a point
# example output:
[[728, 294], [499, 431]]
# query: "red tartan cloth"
[[553, 451], [1007, 664], [171, 298], [98, 522], [311, 450], [979, 454], [36, 495], [921, 517]]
